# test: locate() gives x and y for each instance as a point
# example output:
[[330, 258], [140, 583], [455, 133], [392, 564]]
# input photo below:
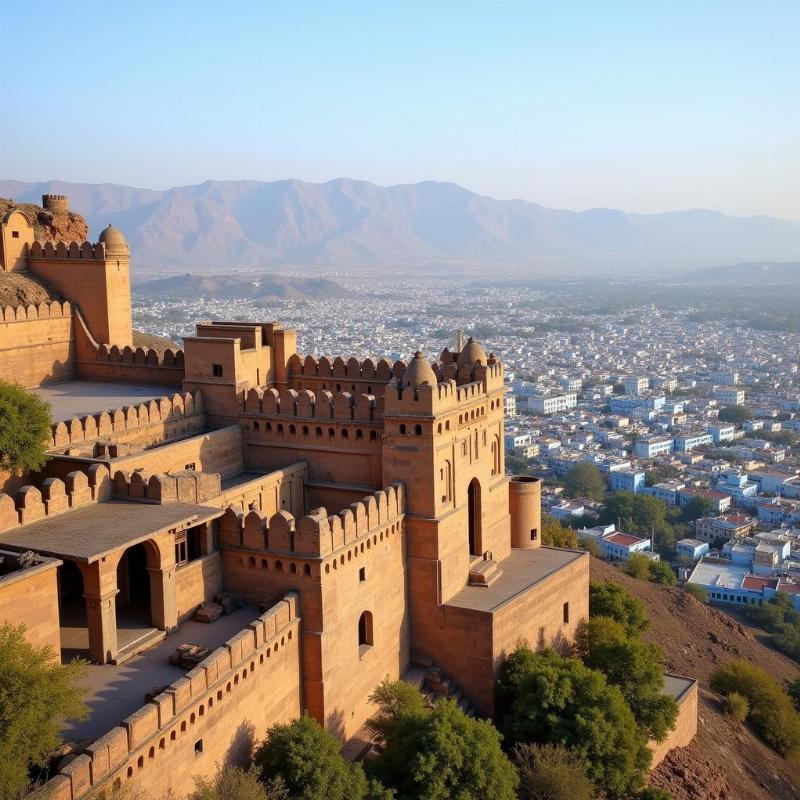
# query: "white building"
[[655, 446], [729, 396], [636, 385], [510, 405], [552, 403]]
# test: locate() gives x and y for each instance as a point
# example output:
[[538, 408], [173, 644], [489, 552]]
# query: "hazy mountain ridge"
[[253, 287], [347, 223]]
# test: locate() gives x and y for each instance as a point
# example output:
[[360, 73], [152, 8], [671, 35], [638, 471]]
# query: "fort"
[[363, 506]]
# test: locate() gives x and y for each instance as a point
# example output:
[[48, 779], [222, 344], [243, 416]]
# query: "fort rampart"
[[37, 343], [211, 716]]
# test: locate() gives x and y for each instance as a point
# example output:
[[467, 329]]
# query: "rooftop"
[[115, 692], [89, 533], [719, 576], [521, 570], [79, 398]]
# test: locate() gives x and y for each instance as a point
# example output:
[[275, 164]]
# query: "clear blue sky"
[[644, 106]]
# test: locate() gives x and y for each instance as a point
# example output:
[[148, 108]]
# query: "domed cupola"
[[115, 242], [418, 373], [471, 354]]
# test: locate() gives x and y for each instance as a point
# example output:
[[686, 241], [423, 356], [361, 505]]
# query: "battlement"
[[72, 251], [113, 354], [339, 368], [97, 426], [316, 535], [55, 202], [305, 404], [35, 312], [185, 486], [264, 654], [55, 497]]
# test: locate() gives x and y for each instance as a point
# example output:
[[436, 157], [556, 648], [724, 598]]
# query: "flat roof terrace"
[[115, 692], [79, 398], [521, 570], [89, 533]]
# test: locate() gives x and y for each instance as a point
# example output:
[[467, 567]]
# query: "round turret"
[[418, 373], [114, 241], [55, 202], [471, 354]]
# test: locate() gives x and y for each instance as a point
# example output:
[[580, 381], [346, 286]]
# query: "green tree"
[[698, 506], [771, 711], [634, 512], [551, 772], [609, 599], [585, 480], [443, 754], [309, 762], [559, 700], [638, 566], [395, 700], [36, 695], [661, 572], [618, 388], [556, 534], [698, 592], [24, 429], [735, 414], [234, 783], [634, 666], [793, 690]]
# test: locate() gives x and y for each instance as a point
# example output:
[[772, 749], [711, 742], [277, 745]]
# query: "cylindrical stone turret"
[[55, 202], [525, 508]]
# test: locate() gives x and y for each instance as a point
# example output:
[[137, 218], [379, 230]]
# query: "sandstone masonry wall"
[[211, 716]]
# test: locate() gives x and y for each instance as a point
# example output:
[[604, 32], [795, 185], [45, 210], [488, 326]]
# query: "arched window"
[[364, 632], [474, 517]]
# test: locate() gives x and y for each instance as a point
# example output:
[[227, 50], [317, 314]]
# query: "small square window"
[[534, 534], [198, 747], [192, 466], [216, 370], [362, 574], [566, 613], [15, 234]]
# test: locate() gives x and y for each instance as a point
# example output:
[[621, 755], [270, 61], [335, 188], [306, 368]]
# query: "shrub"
[[585, 480], [771, 711], [309, 762], [609, 599], [551, 772], [661, 572], [442, 753], [555, 700], [24, 429], [555, 534], [233, 783], [36, 695], [638, 566], [395, 700], [737, 706], [698, 592]]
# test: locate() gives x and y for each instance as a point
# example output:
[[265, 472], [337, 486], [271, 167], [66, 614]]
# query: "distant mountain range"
[[254, 287], [752, 272], [355, 224]]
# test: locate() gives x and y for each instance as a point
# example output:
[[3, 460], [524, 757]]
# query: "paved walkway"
[[115, 692], [79, 398]]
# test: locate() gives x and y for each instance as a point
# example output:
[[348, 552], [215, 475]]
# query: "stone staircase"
[[434, 684], [484, 571]]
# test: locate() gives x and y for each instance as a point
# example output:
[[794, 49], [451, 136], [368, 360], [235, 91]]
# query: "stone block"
[[141, 725], [79, 772]]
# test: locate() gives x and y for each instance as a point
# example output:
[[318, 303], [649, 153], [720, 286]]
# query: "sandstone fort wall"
[[212, 716], [197, 582], [37, 343], [685, 726]]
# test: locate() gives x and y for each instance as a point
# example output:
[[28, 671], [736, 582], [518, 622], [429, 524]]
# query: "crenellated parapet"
[[170, 724], [107, 423], [186, 486], [112, 354], [354, 369], [72, 251], [316, 535], [319, 405], [35, 312], [55, 496]]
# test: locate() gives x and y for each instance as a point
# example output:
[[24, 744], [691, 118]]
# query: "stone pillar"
[[525, 508], [101, 619], [163, 603], [100, 592]]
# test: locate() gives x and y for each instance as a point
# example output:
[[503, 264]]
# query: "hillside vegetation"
[[726, 761]]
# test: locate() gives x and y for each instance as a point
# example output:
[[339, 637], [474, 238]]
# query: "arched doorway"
[[474, 517], [134, 606], [73, 624]]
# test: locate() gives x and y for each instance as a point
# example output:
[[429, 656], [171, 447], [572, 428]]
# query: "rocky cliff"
[[50, 226]]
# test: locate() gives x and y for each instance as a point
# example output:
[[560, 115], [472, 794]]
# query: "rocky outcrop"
[[50, 226]]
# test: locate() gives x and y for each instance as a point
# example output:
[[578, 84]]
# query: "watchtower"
[[55, 203]]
